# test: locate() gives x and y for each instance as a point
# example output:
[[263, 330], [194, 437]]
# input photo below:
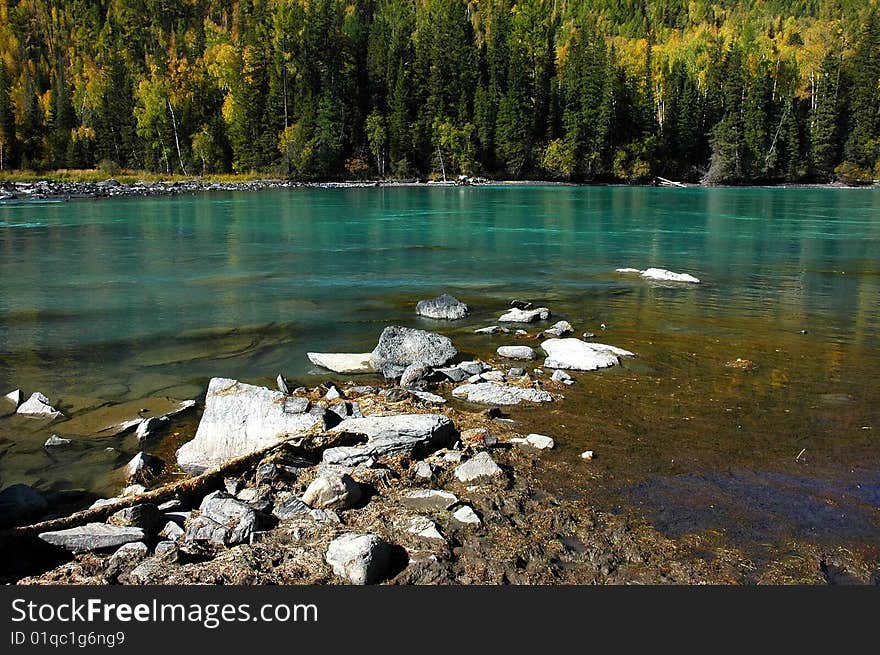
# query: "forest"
[[712, 91]]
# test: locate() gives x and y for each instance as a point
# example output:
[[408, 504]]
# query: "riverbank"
[[70, 185], [426, 478]]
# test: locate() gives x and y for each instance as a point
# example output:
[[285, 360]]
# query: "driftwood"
[[664, 182], [189, 489]]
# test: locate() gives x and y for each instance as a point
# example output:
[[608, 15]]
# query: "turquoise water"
[[114, 301]]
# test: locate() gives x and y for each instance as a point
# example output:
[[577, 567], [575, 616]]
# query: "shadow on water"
[[754, 507]]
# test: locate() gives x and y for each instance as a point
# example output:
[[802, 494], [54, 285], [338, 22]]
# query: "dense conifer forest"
[[723, 91]]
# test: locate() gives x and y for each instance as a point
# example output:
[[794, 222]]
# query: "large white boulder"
[[577, 355], [240, 419]]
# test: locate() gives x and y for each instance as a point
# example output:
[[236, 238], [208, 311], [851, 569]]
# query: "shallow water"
[[121, 300]]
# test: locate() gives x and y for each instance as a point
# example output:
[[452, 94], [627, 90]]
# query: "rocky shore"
[[420, 479]]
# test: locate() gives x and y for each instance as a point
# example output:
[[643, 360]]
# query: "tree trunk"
[[176, 139]]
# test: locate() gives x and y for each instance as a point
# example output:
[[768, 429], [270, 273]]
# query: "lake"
[[117, 301]]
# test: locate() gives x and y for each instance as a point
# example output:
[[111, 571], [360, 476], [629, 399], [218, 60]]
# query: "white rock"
[[560, 329], [493, 393], [540, 441], [423, 470], [349, 363], [54, 441], [15, 397], [240, 419], [38, 405], [492, 329], [428, 397], [359, 558], [479, 467], [423, 527], [580, 355], [629, 270], [492, 376], [524, 315], [516, 352], [561, 376], [466, 514], [587, 454], [668, 276]]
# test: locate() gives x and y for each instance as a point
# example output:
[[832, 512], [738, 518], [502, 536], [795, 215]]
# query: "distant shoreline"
[[51, 188]]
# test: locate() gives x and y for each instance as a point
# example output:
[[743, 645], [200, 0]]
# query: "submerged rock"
[[399, 347], [92, 536], [443, 307], [494, 393], [479, 467], [516, 315], [577, 355], [38, 406], [359, 558], [240, 419], [20, 503], [347, 363], [517, 352]]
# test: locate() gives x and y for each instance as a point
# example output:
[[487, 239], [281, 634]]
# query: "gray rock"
[[290, 508], [423, 470], [429, 499], [145, 516], [492, 376], [332, 491], [400, 346], [258, 498], [516, 315], [92, 536], [20, 503], [346, 410], [348, 363], [282, 384], [453, 373], [389, 435], [423, 527], [430, 398], [163, 548], [38, 406], [325, 516], [127, 556], [560, 329], [202, 530], [150, 571], [500, 394], [171, 532], [415, 376], [516, 352], [539, 441], [479, 467], [240, 419], [492, 329], [150, 426], [55, 442], [443, 307], [578, 355], [237, 520], [466, 514], [333, 393], [363, 390], [516, 372], [359, 558], [472, 368]]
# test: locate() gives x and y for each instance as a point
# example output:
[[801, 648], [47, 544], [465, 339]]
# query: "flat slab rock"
[[516, 352], [516, 315], [574, 354], [444, 307], [494, 393], [389, 435], [479, 467], [429, 499], [348, 363], [240, 419], [93, 536]]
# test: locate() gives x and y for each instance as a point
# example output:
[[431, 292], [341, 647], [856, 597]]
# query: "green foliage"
[[733, 91]]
